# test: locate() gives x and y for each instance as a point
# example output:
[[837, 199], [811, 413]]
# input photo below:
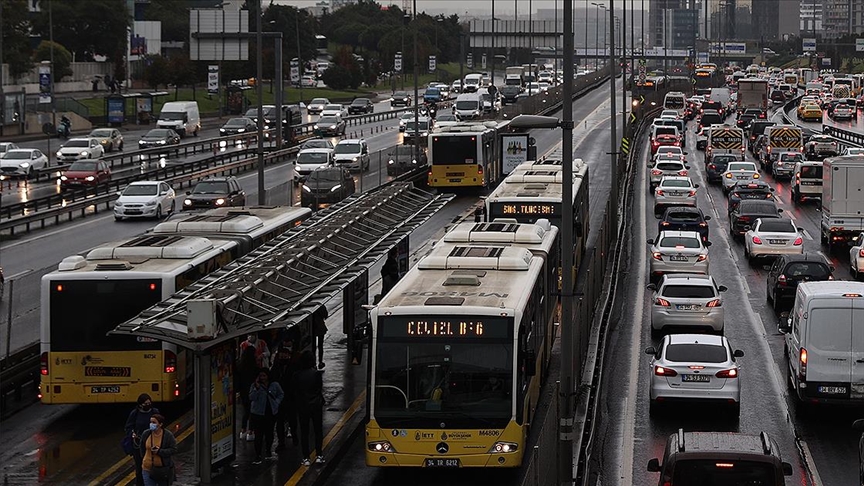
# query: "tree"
[[16, 40], [156, 71], [87, 28], [180, 72], [337, 77], [62, 58]]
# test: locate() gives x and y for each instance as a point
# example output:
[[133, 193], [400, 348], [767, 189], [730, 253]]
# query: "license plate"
[[742, 178], [696, 378], [678, 258], [777, 242], [676, 193], [133, 212], [455, 180], [105, 389], [442, 463], [832, 390], [687, 307]]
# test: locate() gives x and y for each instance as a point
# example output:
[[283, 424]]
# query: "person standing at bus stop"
[[390, 271], [308, 387], [319, 330], [138, 422], [265, 396], [247, 372]]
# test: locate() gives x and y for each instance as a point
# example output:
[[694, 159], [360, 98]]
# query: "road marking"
[[806, 235], [808, 456]]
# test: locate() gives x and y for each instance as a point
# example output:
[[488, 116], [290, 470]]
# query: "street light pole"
[[259, 86], [492, 57], [299, 59], [613, 141], [416, 90]]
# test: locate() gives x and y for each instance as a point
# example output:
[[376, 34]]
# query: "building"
[[810, 20], [673, 24], [337, 4], [837, 17]]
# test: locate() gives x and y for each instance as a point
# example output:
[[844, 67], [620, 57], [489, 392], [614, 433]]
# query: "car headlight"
[[24, 165], [306, 188], [151, 203], [161, 142], [83, 152], [241, 130], [335, 188], [414, 161], [59, 154], [220, 201], [355, 159], [118, 204], [755, 176], [89, 178], [332, 127], [104, 142], [390, 162], [64, 178], [221, 130], [315, 126]]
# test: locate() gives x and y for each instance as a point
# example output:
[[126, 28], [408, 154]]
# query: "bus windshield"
[[674, 103], [423, 380], [454, 150], [83, 311]]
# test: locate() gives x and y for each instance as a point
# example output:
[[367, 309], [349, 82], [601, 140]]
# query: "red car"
[[85, 173], [664, 140]]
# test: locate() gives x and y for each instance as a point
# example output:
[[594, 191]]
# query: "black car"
[[716, 166], [360, 106], [330, 126], [159, 137], [710, 117], [238, 125], [400, 98], [748, 191], [683, 218], [757, 127], [401, 159], [748, 116], [509, 94], [709, 105], [327, 185], [778, 96], [746, 214], [215, 192], [789, 270]]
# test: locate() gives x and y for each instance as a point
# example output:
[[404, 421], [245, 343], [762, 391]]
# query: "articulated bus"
[[534, 191], [458, 350], [466, 155], [88, 296]]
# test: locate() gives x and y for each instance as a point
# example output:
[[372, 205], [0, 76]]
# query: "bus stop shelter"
[[278, 286], [118, 106]]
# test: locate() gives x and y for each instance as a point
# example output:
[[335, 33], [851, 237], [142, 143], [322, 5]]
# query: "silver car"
[[739, 171], [678, 252], [687, 300], [695, 368], [666, 167], [772, 237], [674, 191]]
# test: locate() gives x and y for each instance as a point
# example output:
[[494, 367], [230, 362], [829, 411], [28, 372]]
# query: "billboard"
[[222, 364], [808, 44], [728, 47], [515, 151]]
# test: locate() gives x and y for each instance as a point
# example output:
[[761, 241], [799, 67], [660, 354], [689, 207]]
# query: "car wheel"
[[173, 206], [775, 302], [159, 212], [120, 148], [653, 408], [118, 218]]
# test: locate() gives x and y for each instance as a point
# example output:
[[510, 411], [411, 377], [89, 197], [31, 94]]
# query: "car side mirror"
[[779, 210], [686, 153], [738, 353], [651, 286], [650, 350], [785, 327], [696, 186], [722, 288], [707, 243], [188, 192], [707, 218], [654, 465], [787, 469], [650, 241]]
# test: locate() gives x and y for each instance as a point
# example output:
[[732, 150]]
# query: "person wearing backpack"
[[136, 424]]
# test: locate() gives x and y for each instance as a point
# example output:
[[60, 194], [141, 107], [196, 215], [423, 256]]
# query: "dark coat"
[[139, 421], [166, 450], [308, 387]]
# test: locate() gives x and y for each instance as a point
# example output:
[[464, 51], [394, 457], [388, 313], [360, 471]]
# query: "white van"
[[472, 83], [825, 343], [467, 106], [675, 100], [181, 116]]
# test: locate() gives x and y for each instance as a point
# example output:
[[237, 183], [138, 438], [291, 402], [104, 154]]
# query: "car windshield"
[[466, 105], [684, 217], [317, 144], [811, 171], [141, 190], [446, 117], [360, 102], [16, 155], [402, 150], [328, 119], [236, 122], [156, 134], [423, 125], [702, 472], [83, 166], [696, 352], [777, 226], [400, 94], [791, 157], [669, 150], [723, 159], [172, 115], [742, 166], [660, 130], [688, 291], [669, 166], [326, 175], [253, 112], [100, 133], [318, 101], [211, 187], [77, 144], [679, 242], [312, 158], [433, 91], [676, 183], [811, 107], [348, 148]]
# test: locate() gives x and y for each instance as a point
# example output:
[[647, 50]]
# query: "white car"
[[145, 199], [6, 146], [334, 110], [669, 151], [852, 151], [695, 368], [308, 160], [404, 118], [317, 105], [666, 167], [739, 171], [678, 252], [80, 148], [772, 237], [441, 120], [22, 162], [674, 191], [856, 257]]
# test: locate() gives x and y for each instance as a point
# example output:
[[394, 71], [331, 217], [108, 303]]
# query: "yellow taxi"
[[809, 112]]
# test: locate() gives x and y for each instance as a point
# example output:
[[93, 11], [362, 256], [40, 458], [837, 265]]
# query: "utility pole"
[[492, 57], [299, 59], [613, 141], [259, 87], [2, 94], [416, 89]]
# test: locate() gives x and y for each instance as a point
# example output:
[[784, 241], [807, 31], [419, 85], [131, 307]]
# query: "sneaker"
[[257, 461], [319, 460], [305, 462], [242, 434], [321, 365], [250, 437]]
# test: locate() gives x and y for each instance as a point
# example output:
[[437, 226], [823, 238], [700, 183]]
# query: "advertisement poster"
[[295, 71], [213, 78], [515, 151], [222, 402], [144, 105], [115, 109], [44, 84], [433, 64], [397, 63]]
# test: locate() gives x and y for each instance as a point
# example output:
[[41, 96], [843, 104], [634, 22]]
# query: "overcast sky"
[[474, 7]]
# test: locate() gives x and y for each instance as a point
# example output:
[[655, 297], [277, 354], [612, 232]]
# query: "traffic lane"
[[762, 405]]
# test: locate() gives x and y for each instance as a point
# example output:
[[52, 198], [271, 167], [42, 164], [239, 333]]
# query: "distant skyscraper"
[[811, 17], [837, 17]]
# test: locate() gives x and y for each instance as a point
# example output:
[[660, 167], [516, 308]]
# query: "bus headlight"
[[503, 447], [381, 446]]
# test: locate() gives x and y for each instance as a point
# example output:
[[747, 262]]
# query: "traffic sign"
[[632, 117], [625, 146], [432, 64]]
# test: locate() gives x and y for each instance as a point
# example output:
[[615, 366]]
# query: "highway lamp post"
[[586, 35], [596, 32], [613, 141], [492, 54], [438, 22], [416, 88], [299, 58], [405, 19], [259, 87]]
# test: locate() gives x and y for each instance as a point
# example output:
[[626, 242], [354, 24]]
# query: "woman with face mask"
[[157, 448], [136, 424], [265, 396]]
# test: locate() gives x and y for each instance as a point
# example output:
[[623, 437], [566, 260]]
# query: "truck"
[[752, 93], [513, 76], [725, 139], [842, 199], [780, 138]]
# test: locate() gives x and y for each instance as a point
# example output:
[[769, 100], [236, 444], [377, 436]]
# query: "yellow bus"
[[466, 155], [88, 296], [458, 350]]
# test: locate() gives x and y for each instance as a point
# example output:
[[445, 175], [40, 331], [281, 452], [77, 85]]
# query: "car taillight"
[[656, 172], [712, 166], [802, 359], [657, 256], [730, 373], [714, 303], [480, 169], [666, 223], [660, 192], [781, 280], [703, 224], [744, 218], [661, 371], [757, 240], [701, 258], [655, 144], [682, 172], [798, 241], [692, 193], [676, 144], [170, 361], [861, 252], [662, 302], [43, 363]]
